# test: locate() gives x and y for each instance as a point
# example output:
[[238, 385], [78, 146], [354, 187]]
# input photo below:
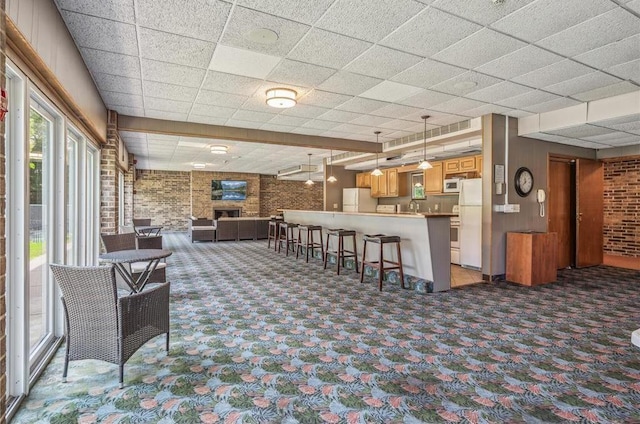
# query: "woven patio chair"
[[141, 222], [127, 241], [100, 324]]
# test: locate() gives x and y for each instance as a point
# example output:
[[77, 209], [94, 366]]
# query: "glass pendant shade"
[[309, 181], [377, 172], [331, 178]]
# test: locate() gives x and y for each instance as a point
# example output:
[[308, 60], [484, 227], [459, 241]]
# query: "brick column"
[[3, 238], [109, 177]]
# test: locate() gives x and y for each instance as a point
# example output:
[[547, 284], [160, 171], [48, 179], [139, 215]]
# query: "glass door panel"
[[71, 236]]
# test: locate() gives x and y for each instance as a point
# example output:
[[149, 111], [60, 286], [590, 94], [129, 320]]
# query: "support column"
[[109, 177]]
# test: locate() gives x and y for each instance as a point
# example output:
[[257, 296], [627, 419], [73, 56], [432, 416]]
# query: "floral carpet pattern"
[[258, 337]]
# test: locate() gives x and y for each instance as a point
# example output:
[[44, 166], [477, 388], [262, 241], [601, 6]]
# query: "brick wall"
[[622, 207], [163, 196], [3, 239], [109, 177], [202, 205], [281, 194]]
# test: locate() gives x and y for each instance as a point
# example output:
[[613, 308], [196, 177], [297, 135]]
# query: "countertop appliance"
[[386, 209], [470, 203], [451, 185], [358, 200]]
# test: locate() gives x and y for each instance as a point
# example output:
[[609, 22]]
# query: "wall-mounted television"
[[228, 190]]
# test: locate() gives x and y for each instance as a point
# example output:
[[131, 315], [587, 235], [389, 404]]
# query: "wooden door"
[[589, 212], [375, 185], [559, 216], [392, 182]]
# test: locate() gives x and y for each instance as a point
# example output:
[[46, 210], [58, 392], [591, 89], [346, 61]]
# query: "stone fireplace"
[[226, 212]]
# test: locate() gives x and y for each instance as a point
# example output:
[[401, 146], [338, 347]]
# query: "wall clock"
[[524, 181]]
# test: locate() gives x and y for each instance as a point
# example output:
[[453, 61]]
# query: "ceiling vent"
[[299, 169]]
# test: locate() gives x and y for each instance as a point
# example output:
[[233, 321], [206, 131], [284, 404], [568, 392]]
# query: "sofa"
[[244, 228], [202, 229]]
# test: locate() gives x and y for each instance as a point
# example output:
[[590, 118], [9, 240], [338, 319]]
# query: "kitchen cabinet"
[[451, 166], [479, 165], [467, 164], [363, 180], [433, 178], [389, 184]]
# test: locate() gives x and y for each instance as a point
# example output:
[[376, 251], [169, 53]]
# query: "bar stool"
[[272, 234], [285, 235], [382, 239], [341, 252], [309, 243]]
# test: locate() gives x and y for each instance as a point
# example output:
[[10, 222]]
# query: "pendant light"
[[309, 181], [331, 178], [376, 172], [425, 164]]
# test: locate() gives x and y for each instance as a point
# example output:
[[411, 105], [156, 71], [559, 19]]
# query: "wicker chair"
[[99, 324], [141, 221], [127, 241]]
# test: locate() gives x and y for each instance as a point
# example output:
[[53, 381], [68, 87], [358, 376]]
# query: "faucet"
[[413, 202]]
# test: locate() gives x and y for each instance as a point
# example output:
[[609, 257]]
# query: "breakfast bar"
[[425, 247]]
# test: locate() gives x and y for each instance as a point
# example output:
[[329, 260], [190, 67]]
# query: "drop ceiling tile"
[[258, 103], [366, 19], [112, 63], [479, 48], [633, 5], [426, 99], [542, 18], [458, 106], [580, 131], [396, 111], [400, 124], [323, 98], [300, 73], [518, 113], [371, 120], [629, 70], [102, 34], [582, 84], [429, 32], [618, 52], [305, 11], [116, 10], [609, 27], [174, 48], [328, 49], [291, 121], [243, 21], [168, 115], [320, 124], [242, 62], [553, 74], [527, 99], [251, 116], [243, 124], [483, 13], [169, 73], [583, 143], [161, 90], [361, 105], [606, 91], [382, 62], [213, 111], [339, 116], [344, 82], [555, 104], [390, 91], [130, 111], [121, 99], [119, 84], [164, 105], [466, 83], [305, 111], [609, 136], [217, 98], [202, 20], [520, 62], [627, 123], [428, 73], [502, 90], [629, 140], [229, 83]]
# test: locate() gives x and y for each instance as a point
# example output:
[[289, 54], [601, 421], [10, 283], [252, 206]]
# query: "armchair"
[[202, 229], [99, 324]]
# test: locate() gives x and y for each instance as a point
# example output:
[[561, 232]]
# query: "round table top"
[[147, 227], [135, 255]]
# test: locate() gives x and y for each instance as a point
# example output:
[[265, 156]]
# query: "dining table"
[[122, 260], [147, 230]]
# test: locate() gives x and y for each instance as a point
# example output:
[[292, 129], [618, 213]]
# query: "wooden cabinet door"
[[433, 178], [451, 166], [468, 164], [375, 185], [479, 165], [392, 182], [383, 183], [589, 212], [363, 180]]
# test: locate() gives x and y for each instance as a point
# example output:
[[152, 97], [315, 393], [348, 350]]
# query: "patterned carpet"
[[257, 337]]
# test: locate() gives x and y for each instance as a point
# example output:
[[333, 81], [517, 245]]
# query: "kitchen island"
[[425, 247]]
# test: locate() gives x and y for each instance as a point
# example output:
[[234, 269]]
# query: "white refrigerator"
[[358, 200], [470, 202]]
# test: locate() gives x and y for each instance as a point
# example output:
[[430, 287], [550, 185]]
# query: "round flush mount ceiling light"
[[281, 97], [262, 36], [199, 165], [219, 149]]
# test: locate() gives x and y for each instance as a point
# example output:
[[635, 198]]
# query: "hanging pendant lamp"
[[331, 178], [425, 164], [309, 181], [376, 172]]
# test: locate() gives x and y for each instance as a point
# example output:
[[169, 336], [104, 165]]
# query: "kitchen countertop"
[[394, 215]]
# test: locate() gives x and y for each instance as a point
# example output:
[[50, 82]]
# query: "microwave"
[[452, 185]]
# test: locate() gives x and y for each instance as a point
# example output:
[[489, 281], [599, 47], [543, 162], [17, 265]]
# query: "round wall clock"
[[524, 181]]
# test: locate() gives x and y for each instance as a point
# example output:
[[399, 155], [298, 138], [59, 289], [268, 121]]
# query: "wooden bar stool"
[[309, 243], [285, 235], [341, 252], [381, 240], [272, 234]]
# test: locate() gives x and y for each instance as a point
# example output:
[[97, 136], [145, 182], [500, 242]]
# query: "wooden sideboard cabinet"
[[531, 258]]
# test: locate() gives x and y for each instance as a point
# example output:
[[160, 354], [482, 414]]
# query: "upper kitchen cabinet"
[[389, 184], [433, 178], [363, 180], [479, 165], [467, 164], [452, 166]]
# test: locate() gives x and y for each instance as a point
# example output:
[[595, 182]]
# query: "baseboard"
[[627, 262]]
